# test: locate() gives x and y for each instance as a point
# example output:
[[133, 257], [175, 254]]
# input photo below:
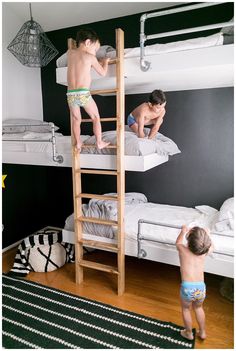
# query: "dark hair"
[[84, 34], [157, 97], [199, 241]]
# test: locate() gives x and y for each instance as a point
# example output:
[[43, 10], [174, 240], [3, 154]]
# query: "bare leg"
[[92, 110], [200, 316], [187, 318], [76, 120], [134, 128]]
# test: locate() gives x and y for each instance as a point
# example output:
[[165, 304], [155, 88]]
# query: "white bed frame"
[[93, 161], [200, 68], [219, 264], [203, 68]]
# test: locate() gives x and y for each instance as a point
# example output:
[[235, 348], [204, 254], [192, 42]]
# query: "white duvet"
[[172, 215]]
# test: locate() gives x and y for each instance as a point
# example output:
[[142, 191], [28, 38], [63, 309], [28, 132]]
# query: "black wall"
[[199, 121]]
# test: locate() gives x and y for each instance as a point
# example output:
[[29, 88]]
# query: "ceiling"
[[57, 15]]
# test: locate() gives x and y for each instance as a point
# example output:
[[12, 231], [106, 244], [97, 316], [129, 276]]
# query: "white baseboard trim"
[[11, 246]]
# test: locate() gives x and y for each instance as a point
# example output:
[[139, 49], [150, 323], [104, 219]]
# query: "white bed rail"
[[142, 253], [56, 158], [145, 65]]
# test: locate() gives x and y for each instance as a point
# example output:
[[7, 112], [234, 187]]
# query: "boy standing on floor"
[[80, 62], [193, 288], [148, 113]]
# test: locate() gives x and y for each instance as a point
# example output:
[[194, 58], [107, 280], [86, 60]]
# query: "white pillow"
[[103, 51], [42, 127], [225, 221], [62, 60], [208, 210]]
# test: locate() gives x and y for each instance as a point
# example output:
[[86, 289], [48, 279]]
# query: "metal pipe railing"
[[55, 157], [142, 253], [145, 65]]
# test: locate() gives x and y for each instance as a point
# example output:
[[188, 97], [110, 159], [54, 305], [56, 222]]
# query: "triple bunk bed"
[[198, 64], [150, 243]]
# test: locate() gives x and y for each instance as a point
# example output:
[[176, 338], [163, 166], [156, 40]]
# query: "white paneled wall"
[[21, 85]]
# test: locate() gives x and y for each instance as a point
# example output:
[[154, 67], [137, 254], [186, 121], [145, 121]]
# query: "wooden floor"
[[152, 289]]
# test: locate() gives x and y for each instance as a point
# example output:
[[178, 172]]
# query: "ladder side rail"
[[77, 202], [120, 158]]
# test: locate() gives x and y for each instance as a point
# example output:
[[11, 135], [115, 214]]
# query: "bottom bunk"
[[156, 240]]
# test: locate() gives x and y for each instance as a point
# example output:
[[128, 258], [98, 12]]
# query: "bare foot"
[[186, 334], [102, 144], [201, 334]]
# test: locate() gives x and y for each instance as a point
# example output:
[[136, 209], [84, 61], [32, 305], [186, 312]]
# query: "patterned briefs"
[[193, 291], [78, 97]]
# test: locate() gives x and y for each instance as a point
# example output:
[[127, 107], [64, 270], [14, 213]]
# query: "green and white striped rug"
[[36, 316]]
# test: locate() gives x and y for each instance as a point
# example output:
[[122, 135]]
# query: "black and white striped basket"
[[43, 251]]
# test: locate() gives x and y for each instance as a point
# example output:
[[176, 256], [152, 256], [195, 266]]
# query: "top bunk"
[[200, 63]]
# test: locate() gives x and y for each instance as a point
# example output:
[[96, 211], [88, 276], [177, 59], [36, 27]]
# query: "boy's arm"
[[211, 249], [100, 67], [156, 126], [179, 240], [141, 126]]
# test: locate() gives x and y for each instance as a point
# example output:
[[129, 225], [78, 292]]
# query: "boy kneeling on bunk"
[[148, 113], [193, 288]]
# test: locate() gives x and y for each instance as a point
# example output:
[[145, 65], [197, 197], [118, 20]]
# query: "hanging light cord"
[[31, 18]]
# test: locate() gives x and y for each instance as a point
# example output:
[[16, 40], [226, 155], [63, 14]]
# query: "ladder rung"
[[99, 245], [97, 220], [112, 61], [95, 196], [98, 266], [103, 91], [94, 171], [110, 146], [108, 119]]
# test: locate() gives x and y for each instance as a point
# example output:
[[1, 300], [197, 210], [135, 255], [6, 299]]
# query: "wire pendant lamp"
[[31, 46]]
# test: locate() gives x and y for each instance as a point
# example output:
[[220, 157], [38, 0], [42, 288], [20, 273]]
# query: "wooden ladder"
[[78, 195]]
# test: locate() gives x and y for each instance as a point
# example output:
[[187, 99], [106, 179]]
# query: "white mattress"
[[200, 68], [173, 215], [157, 49], [39, 152]]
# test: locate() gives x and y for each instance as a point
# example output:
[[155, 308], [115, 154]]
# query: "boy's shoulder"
[[142, 107]]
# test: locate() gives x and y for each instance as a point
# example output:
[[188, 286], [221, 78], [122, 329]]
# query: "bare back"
[[191, 265], [79, 69]]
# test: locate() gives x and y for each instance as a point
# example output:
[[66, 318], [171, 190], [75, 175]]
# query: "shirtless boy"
[[148, 113], [193, 288], [80, 62]]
